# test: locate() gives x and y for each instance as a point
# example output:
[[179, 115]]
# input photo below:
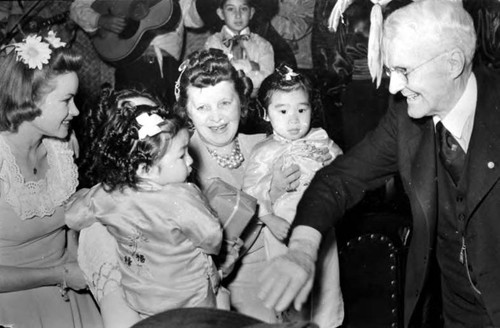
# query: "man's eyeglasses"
[[406, 72]]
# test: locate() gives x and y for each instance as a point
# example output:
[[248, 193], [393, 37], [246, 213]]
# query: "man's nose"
[[397, 82]]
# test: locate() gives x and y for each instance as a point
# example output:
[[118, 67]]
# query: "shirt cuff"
[[305, 239]]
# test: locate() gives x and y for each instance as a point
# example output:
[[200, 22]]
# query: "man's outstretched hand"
[[287, 278]]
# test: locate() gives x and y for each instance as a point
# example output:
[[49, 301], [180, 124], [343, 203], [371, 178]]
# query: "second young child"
[[164, 230], [248, 51], [285, 97]]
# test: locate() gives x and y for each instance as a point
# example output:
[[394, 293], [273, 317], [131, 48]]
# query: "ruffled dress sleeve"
[[97, 255]]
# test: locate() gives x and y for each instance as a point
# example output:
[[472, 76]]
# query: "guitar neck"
[[34, 24]]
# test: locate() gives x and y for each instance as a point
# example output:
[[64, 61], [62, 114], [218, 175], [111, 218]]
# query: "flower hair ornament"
[[290, 74], [149, 125], [286, 72], [35, 52], [177, 87], [375, 64]]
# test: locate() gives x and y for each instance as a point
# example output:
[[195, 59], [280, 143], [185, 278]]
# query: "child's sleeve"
[[197, 221], [80, 210], [257, 179]]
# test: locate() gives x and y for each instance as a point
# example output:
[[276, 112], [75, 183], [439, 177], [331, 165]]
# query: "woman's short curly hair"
[[22, 88], [206, 68], [117, 151]]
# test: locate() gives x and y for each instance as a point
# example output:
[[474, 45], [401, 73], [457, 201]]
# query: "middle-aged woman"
[[213, 96], [39, 274], [208, 74]]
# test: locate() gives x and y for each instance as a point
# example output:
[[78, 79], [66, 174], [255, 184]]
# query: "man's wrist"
[[305, 239]]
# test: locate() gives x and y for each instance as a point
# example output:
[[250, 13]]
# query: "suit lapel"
[[421, 148], [483, 163]]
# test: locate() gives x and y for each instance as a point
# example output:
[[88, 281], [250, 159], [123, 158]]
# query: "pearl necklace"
[[232, 161]]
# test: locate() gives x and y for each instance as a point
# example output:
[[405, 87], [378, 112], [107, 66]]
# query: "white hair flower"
[[289, 73], [53, 40], [33, 51], [149, 125]]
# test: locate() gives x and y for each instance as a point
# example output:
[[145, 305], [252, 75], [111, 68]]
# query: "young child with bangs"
[[165, 232], [286, 101]]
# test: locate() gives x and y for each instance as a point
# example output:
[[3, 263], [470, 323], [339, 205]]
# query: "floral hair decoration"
[[177, 87], [286, 73], [149, 125], [35, 52], [289, 74]]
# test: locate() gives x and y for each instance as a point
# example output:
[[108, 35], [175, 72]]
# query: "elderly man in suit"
[[444, 141]]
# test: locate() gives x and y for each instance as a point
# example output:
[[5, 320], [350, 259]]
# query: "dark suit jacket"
[[407, 146]]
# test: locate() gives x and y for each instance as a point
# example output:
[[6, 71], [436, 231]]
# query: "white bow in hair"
[[149, 125]]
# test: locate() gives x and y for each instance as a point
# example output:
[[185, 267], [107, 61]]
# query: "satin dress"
[[165, 236], [326, 307]]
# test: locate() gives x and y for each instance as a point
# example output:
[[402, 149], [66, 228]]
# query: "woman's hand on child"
[[278, 226], [72, 276]]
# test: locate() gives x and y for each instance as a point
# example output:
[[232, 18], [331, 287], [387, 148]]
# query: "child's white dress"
[[306, 153]]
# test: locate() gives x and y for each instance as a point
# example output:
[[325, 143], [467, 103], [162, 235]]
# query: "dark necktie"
[[451, 154]]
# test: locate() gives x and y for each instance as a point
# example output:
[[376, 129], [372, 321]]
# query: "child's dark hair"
[[117, 151], [283, 79], [223, 2], [286, 79], [206, 68]]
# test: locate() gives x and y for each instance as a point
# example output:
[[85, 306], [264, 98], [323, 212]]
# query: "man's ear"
[[252, 12], [220, 13], [456, 62]]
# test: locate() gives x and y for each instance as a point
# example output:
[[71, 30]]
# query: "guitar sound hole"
[[130, 29]]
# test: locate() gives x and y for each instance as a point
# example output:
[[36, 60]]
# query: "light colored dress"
[[327, 304], [165, 236], [33, 235], [244, 286]]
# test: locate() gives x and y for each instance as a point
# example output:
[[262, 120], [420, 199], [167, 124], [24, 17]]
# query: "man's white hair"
[[440, 25]]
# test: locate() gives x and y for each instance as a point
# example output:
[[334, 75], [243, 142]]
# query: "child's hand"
[[324, 156], [284, 179], [229, 254], [73, 276], [278, 226]]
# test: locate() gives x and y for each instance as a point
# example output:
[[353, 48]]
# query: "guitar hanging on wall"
[[145, 19]]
